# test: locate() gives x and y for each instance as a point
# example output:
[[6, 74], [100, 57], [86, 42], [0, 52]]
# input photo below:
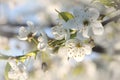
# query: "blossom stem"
[[35, 41], [56, 42]]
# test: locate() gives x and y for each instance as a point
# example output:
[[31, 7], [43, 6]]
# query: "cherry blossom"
[[27, 33], [77, 50], [59, 32], [85, 20]]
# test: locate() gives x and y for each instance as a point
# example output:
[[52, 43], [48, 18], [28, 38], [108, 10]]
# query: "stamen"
[[86, 22]]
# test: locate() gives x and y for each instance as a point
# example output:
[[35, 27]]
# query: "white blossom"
[[27, 33], [85, 20], [77, 50], [59, 32]]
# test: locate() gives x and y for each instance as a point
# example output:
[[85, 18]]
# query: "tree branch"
[[115, 18]]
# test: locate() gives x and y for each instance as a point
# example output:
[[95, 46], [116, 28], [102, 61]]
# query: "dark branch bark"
[[14, 24], [111, 19], [24, 24]]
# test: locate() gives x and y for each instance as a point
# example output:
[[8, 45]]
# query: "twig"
[[115, 18]]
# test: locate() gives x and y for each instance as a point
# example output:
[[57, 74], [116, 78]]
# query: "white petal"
[[71, 51], [23, 33], [44, 35], [41, 46], [100, 7], [70, 24], [79, 57], [23, 76], [13, 75], [92, 13], [30, 24], [80, 36], [75, 54], [31, 27], [78, 12], [22, 67], [58, 32], [40, 39], [22, 38], [85, 32], [13, 65], [59, 37], [87, 49], [97, 28]]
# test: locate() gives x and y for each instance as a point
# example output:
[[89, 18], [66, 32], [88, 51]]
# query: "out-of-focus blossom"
[[100, 7], [27, 33], [17, 71], [4, 43]]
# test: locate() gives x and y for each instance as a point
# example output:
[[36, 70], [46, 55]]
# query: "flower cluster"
[[27, 33], [79, 29], [30, 34], [74, 32]]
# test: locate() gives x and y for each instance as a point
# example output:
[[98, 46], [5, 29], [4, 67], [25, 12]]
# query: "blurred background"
[[102, 64]]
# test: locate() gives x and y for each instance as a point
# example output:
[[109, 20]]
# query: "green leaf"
[[7, 69], [73, 33], [65, 15]]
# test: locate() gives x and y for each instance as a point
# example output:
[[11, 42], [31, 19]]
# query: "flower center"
[[30, 35], [86, 22], [78, 45]]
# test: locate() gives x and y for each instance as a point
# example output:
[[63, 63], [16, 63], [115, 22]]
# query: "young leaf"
[[65, 15], [7, 69]]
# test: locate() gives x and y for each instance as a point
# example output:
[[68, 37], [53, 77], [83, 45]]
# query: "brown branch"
[[115, 18]]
